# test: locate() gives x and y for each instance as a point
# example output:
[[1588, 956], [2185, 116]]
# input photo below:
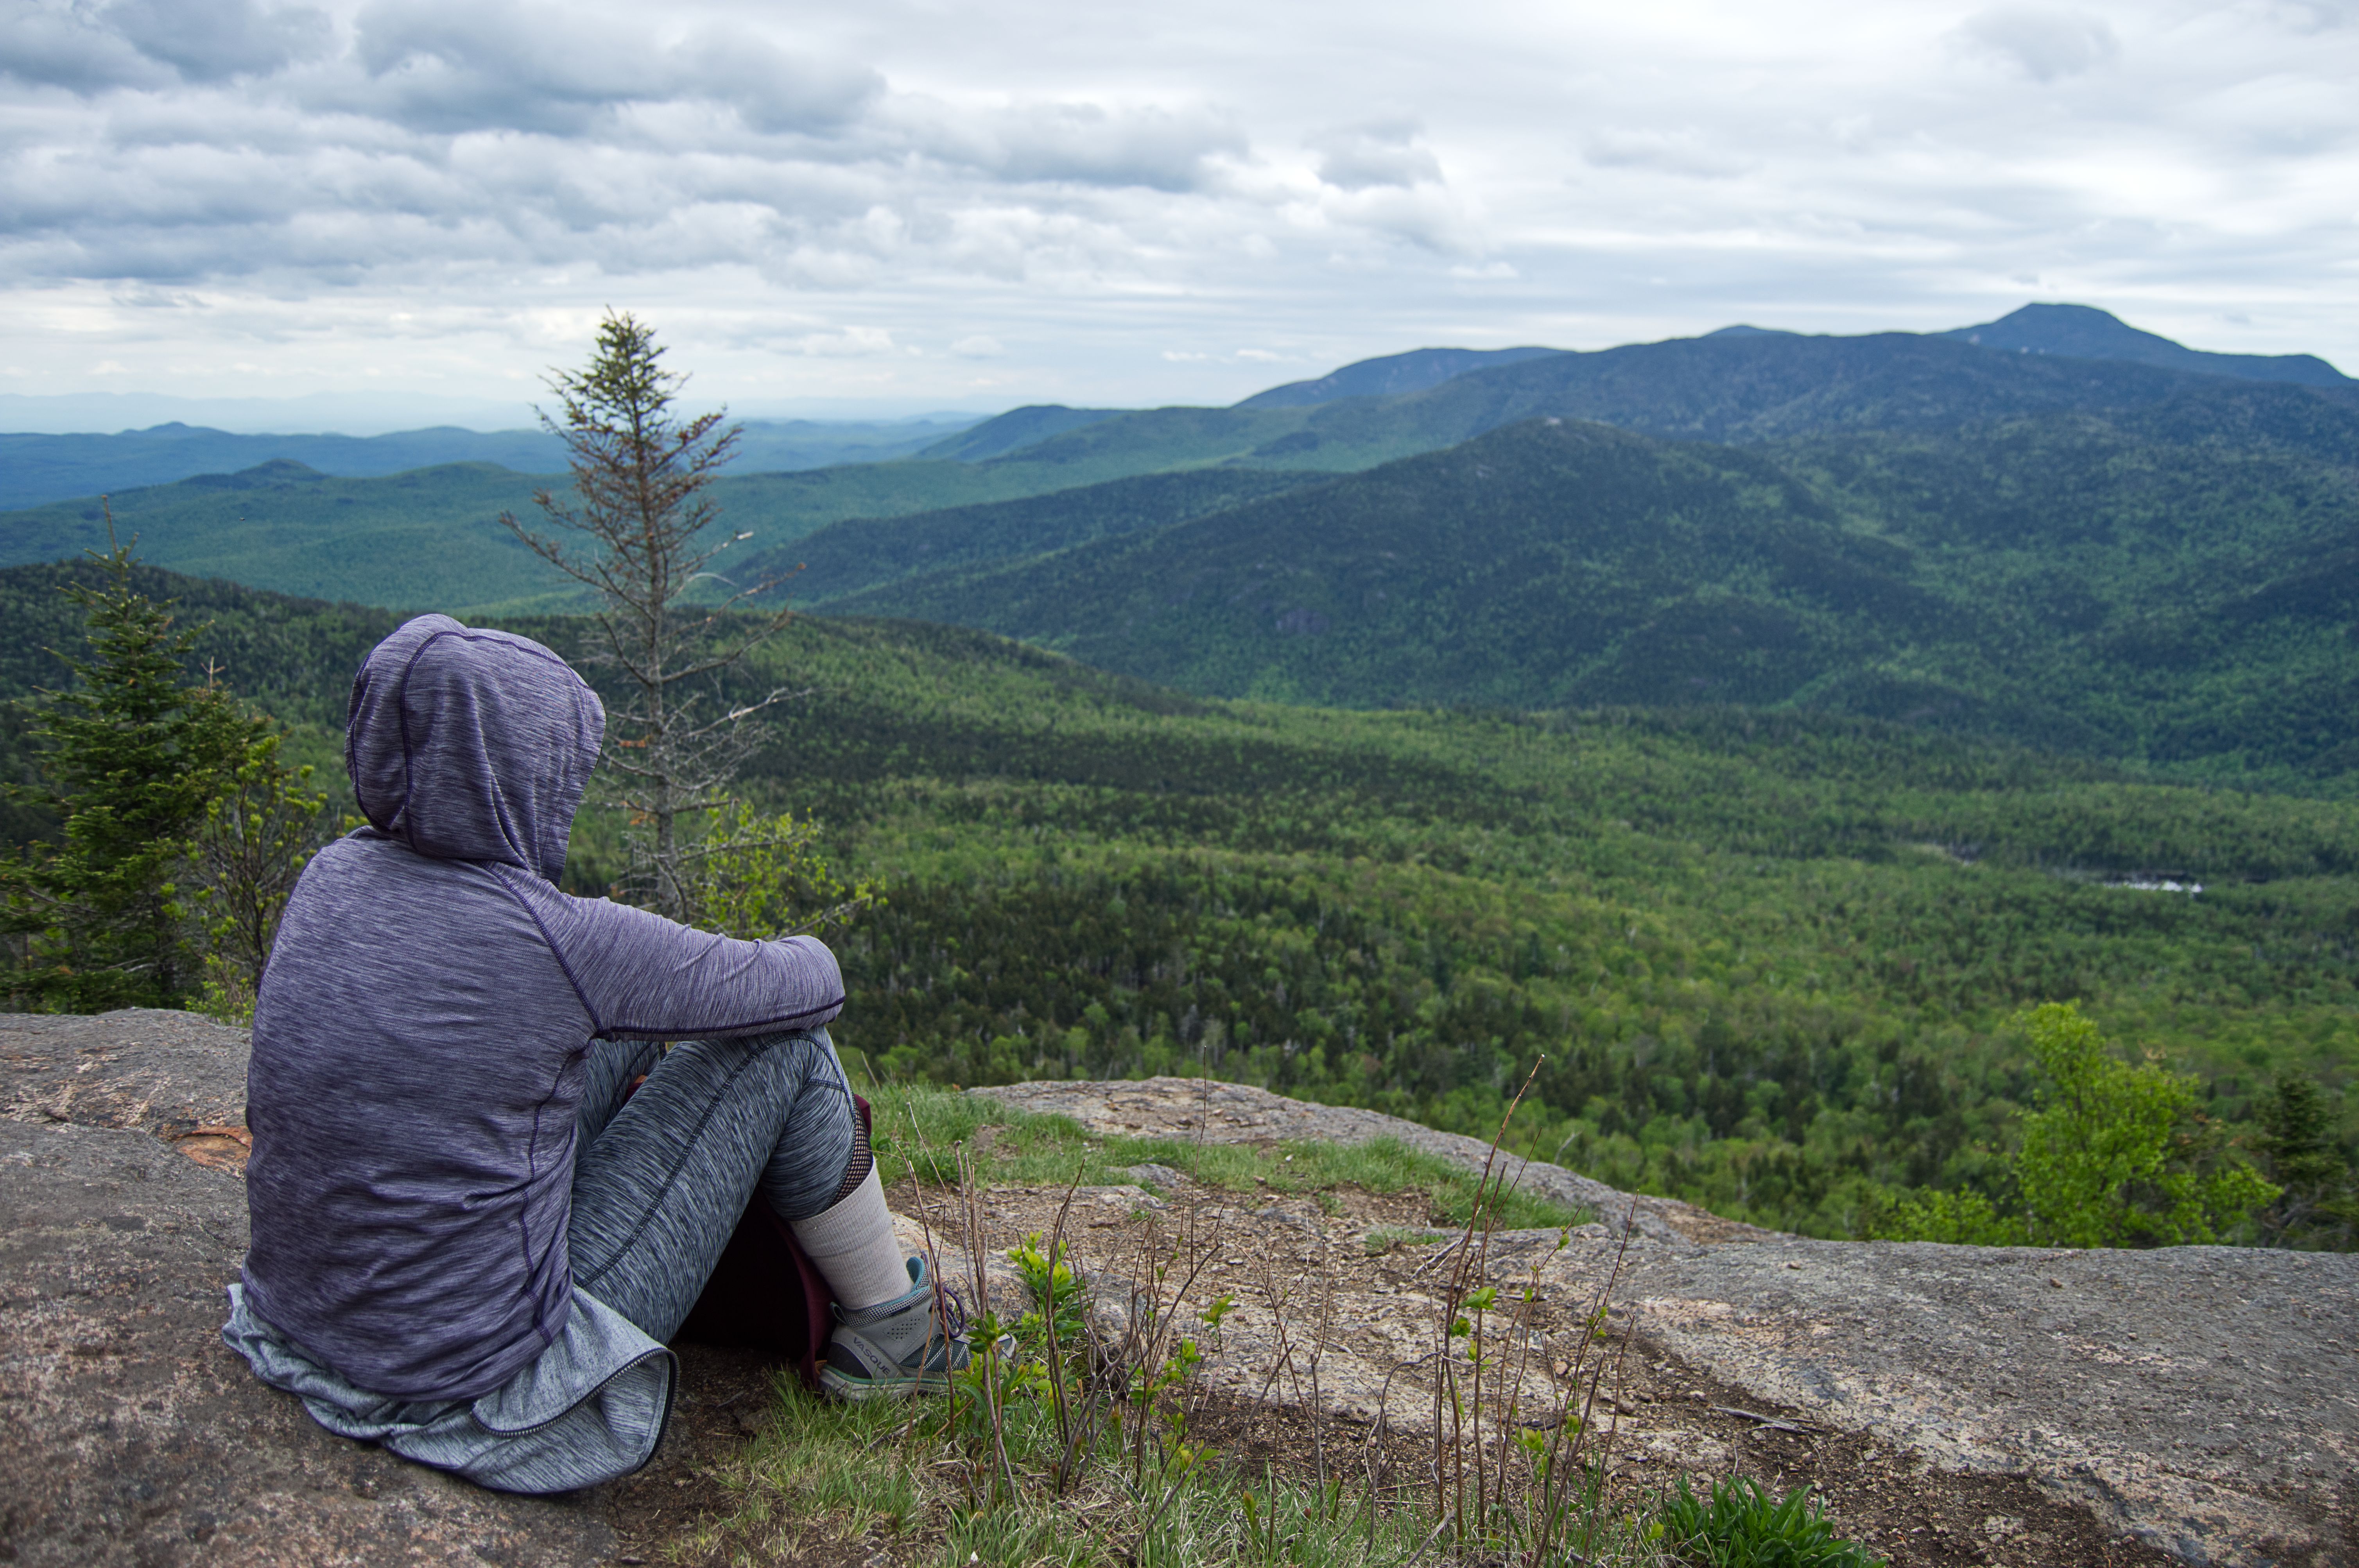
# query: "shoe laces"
[[948, 1310]]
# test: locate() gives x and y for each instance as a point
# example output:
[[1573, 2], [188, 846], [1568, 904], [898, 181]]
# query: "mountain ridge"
[[1389, 376], [2085, 332], [39, 468], [2027, 578]]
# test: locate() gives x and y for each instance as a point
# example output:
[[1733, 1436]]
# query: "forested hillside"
[[2111, 586], [1769, 957]]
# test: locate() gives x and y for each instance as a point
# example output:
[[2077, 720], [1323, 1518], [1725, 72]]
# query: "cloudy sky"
[[909, 204]]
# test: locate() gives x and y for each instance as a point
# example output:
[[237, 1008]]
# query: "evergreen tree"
[[642, 520], [130, 756], [2318, 1207]]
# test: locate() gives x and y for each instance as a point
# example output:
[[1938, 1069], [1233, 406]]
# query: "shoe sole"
[[840, 1385]]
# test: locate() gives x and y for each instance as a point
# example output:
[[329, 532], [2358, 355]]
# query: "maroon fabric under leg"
[[765, 1293]]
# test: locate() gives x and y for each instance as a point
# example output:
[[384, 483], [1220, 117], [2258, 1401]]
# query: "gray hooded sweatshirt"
[[420, 1038]]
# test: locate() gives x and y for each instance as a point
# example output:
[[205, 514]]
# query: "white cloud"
[[1383, 152], [850, 342], [1683, 151], [978, 346], [2044, 45], [448, 190]]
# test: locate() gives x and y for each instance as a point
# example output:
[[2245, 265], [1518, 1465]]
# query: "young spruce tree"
[[640, 530], [2318, 1206], [131, 754]]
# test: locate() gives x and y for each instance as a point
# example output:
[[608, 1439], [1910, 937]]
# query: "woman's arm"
[[639, 975]]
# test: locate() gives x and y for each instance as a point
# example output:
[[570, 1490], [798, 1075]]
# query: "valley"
[[1752, 755]]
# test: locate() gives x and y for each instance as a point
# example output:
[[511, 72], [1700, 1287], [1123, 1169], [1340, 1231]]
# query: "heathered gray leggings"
[[659, 1183]]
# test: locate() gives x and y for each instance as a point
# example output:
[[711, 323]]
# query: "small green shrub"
[[2117, 1155], [1742, 1526]]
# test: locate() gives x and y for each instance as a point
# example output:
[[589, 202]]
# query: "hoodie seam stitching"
[[524, 1210], [597, 1027], [401, 721], [775, 1020]]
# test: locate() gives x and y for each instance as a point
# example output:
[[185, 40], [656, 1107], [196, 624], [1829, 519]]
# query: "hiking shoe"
[[909, 1345]]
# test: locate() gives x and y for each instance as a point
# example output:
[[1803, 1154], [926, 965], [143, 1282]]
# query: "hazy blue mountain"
[[2085, 332], [1389, 377], [427, 537], [1752, 387], [1017, 427], [40, 468], [1729, 386]]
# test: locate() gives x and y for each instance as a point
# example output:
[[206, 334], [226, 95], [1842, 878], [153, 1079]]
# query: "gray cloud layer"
[[931, 202]]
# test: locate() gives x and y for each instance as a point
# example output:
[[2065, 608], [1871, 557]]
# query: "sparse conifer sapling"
[[640, 530]]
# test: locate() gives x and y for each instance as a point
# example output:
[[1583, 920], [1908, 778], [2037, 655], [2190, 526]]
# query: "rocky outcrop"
[[128, 1433], [2202, 1400]]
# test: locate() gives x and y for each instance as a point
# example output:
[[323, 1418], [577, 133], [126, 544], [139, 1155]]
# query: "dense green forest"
[[2099, 585], [1769, 957], [430, 538]]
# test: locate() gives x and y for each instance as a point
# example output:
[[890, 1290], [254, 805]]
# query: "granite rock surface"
[[2201, 1400], [128, 1433]]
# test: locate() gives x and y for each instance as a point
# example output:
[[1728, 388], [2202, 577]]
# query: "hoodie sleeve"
[[639, 975]]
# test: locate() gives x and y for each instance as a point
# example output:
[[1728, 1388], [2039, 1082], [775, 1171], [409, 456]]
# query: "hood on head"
[[472, 745]]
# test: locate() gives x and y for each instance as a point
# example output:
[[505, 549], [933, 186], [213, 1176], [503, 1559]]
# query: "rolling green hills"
[[2159, 583], [427, 537], [860, 552], [2083, 583], [430, 538], [1769, 957]]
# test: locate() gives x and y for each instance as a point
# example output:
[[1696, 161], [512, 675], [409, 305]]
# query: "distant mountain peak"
[[1390, 375], [2083, 331], [1018, 428]]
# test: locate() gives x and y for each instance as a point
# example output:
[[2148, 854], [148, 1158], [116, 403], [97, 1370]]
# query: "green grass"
[[919, 1126], [860, 1471], [1384, 1237]]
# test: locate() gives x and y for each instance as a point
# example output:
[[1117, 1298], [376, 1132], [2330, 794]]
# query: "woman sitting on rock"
[[483, 1194]]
